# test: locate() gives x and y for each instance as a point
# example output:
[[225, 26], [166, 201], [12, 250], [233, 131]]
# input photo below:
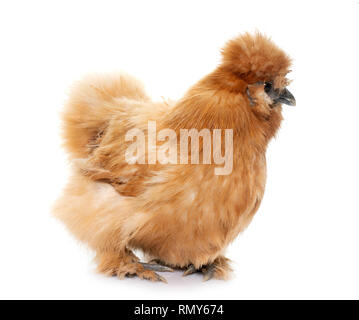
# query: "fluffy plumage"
[[183, 216]]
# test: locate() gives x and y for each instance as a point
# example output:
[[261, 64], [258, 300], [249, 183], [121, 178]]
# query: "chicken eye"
[[267, 86]]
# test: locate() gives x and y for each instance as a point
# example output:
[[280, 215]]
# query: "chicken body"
[[181, 215]]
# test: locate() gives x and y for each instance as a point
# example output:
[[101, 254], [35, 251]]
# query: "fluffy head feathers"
[[255, 58]]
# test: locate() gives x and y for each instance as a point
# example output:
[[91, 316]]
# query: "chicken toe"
[[190, 270], [156, 267]]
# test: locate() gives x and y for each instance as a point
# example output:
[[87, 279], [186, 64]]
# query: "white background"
[[303, 242]]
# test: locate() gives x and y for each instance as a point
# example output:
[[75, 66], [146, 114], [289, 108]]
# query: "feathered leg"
[[125, 264]]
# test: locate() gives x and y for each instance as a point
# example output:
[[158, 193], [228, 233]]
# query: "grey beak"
[[286, 97]]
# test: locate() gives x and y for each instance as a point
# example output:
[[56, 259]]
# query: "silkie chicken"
[[181, 216]]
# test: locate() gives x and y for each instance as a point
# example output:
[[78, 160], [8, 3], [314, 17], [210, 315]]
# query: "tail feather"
[[91, 106]]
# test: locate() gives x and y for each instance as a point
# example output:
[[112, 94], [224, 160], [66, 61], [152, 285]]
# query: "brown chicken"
[[179, 215]]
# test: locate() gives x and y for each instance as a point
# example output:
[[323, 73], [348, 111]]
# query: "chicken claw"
[[156, 267], [208, 272], [190, 270]]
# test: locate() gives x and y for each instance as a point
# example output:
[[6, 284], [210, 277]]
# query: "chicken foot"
[[126, 264], [218, 269]]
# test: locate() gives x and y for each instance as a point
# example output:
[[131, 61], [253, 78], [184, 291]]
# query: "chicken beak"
[[286, 97]]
